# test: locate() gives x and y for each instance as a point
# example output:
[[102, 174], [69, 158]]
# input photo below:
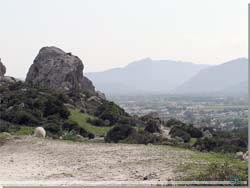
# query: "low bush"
[[96, 122], [195, 132], [110, 111], [4, 126], [54, 106], [53, 129], [24, 118], [70, 135], [19, 117], [221, 172], [173, 122], [70, 125], [119, 132], [178, 132], [26, 131], [143, 137], [153, 127], [205, 144], [220, 145], [91, 136]]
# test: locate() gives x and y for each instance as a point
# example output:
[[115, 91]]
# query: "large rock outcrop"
[[58, 70], [5, 80], [2, 69]]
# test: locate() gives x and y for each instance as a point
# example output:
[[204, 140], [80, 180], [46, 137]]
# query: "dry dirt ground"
[[29, 158]]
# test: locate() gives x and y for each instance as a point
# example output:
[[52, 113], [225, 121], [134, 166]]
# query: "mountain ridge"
[[217, 78], [145, 75]]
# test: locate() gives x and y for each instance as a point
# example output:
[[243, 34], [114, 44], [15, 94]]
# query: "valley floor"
[[29, 158]]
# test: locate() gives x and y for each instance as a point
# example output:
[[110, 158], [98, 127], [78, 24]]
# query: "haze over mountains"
[[145, 76], [228, 78], [149, 76]]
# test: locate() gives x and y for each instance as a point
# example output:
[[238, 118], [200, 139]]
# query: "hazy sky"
[[112, 33]]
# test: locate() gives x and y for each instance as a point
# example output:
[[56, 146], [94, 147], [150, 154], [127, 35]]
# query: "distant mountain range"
[[145, 76], [228, 78], [149, 76]]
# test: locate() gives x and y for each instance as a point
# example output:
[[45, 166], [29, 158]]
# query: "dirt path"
[[31, 158]]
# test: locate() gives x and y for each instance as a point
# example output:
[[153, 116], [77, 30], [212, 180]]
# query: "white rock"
[[40, 132]]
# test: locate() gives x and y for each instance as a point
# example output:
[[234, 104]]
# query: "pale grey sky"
[[111, 33]]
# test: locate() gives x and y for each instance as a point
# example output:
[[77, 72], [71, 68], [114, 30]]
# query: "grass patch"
[[3, 136], [25, 131], [192, 141], [81, 119], [204, 165]]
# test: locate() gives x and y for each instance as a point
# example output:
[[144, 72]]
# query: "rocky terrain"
[[32, 159], [35, 159], [82, 127]]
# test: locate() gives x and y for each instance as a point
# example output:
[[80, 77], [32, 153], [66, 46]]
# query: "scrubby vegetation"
[[82, 120], [119, 133], [111, 112], [213, 167], [182, 130], [222, 142], [222, 171], [24, 107], [153, 126], [144, 137]]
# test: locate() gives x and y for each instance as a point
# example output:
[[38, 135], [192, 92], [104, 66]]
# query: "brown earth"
[[29, 158]]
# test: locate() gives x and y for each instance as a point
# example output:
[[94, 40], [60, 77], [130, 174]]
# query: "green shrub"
[[218, 144], [4, 126], [118, 133], [13, 128], [195, 132], [16, 86], [96, 122], [178, 132], [55, 106], [70, 125], [91, 136], [8, 127], [110, 111], [25, 131], [143, 137], [127, 120], [70, 135], [173, 122], [23, 118], [64, 112], [206, 144], [153, 126], [53, 128]]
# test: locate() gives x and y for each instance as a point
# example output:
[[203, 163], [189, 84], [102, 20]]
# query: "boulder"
[[56, 69], [2, 69], [92, 104], [239, 154], [101, 95], [6, 80], [245, 156], [40, 132]]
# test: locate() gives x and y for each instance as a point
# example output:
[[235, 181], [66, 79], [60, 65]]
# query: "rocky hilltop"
[[2, 69], [56, 69], [5, 79]]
